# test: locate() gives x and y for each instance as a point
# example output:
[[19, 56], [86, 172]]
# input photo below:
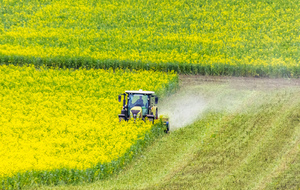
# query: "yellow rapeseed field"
[[228, 37], [59, 118]]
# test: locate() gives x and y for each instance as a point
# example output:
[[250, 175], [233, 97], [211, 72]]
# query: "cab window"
[[138, 100]]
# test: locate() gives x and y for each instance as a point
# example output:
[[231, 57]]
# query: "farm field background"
[[62, 125], [58, 107], [241, 38]]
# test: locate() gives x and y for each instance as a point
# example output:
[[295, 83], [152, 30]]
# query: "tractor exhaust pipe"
[[119, 99]]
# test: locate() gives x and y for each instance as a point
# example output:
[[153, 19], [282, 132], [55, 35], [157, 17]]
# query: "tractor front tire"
[[121, 118], [168, 127]]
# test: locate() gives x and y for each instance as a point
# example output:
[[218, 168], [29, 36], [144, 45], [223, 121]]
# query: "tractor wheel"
[[121, 118], [151, 119], [168, 127]]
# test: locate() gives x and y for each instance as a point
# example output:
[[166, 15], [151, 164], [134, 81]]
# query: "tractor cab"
[[138, 104]]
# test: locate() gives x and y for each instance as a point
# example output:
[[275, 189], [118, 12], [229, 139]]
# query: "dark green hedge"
[[217, 69]]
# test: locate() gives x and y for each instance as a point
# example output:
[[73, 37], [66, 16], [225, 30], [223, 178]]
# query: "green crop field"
[[241, 38], [227, 72]]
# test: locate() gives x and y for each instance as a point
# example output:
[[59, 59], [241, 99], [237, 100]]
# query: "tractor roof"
[[139, 92]]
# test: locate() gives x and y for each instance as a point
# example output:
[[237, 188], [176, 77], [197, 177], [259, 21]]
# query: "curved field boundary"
[[75, 176]]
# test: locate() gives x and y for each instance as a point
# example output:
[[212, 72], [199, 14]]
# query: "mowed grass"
[[254, 146]]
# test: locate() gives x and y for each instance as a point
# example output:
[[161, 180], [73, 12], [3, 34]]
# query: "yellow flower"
[[55, 118]]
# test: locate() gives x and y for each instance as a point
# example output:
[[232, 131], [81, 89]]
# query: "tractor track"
[[240, 82]]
